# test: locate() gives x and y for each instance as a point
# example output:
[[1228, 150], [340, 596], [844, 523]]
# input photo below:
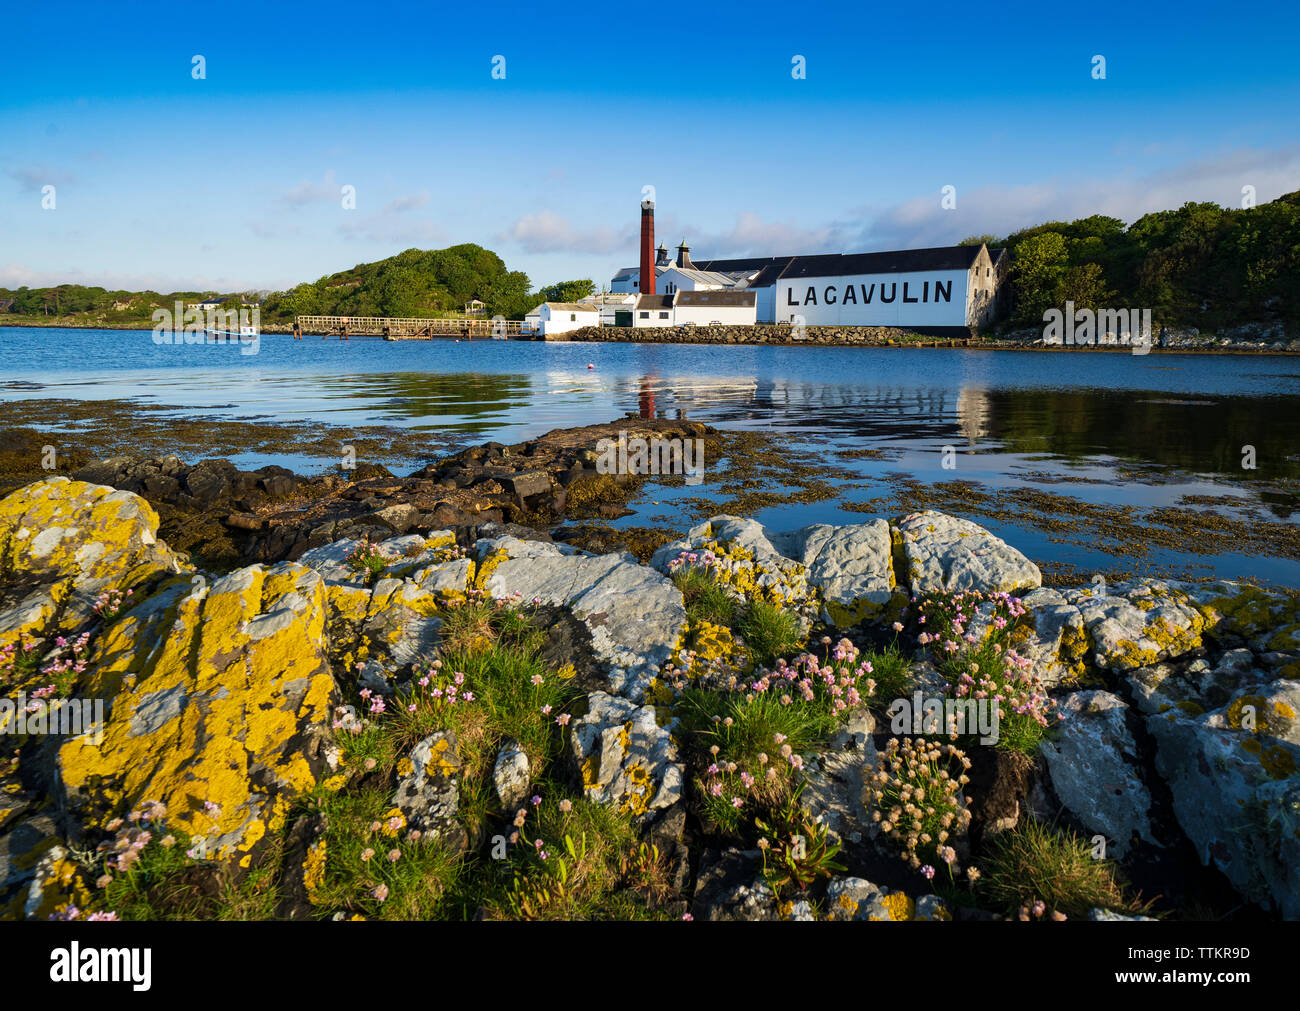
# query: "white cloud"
[[307, 192], [32, 177], [1001, 210], [547, 232]]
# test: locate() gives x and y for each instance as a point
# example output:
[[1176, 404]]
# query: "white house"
[[615, 309], [551, 318], [702, 308], [654, 310], [696, 308]]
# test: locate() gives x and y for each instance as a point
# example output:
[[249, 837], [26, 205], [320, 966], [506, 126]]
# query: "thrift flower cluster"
[[60, 667], [130, 836], [983, 666], [915, 793], [110, 603]]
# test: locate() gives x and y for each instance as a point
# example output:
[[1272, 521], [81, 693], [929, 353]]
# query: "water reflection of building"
[[973, 413]]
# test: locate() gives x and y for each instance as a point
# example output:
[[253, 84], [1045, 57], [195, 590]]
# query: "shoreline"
[[449, 476], [922, 343]]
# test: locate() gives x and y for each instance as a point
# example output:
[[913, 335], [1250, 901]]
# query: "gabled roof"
[[896, 261], [831, 264], [703, 276], [626, 273], [569, 306], [727, 297], [656, 301]]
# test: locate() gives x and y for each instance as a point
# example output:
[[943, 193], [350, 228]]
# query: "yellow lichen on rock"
[[218, 721], [73, 539]]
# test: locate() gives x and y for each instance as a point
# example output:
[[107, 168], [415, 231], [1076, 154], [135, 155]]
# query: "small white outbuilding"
[[552, 318]]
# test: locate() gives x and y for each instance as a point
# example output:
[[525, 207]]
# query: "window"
[[663, 315], [987, 271], [643, 315], [573, 317]]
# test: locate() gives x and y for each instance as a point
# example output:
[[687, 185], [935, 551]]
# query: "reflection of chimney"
[[684, 255], [647, 278], [661, 256]]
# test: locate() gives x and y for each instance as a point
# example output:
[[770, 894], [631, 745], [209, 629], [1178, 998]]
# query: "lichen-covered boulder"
[[62, 543], [1227, 745], [741, 554], [635, 615], [1267, 620], [403, 556], [1051, 635], [850, 566], [851, 898], [220, 697], [935, 553], [1137, 623], [1093, 764], [625, 757], [428, 789]]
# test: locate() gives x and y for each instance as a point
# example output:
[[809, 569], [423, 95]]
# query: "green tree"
[[1037, 269], [567, 291]]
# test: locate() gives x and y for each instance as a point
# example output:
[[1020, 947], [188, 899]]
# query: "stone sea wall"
[[765, 334]]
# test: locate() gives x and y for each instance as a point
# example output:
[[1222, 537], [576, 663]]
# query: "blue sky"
[[234, 181]]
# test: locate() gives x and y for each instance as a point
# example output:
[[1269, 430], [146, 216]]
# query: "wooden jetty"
[[396, 328]]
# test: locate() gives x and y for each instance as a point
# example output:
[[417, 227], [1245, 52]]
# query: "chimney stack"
[[647, 279], [684, 255]]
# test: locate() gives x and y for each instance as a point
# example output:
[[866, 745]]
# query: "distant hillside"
[[417, 282], [1201, 266]]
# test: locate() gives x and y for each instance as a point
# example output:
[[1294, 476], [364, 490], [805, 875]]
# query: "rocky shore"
[[478, 721], [227, 515]]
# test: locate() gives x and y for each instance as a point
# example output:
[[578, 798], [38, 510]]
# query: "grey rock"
[[511, 775], [945, 553], [1093, 762], [429, 794]]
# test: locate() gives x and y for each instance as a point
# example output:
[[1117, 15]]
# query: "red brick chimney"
[[647, 279]]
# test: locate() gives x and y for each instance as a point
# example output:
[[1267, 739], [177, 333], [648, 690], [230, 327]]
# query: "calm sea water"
[[1177, 422]]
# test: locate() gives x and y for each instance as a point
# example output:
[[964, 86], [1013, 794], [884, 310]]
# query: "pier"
[[408, 328]]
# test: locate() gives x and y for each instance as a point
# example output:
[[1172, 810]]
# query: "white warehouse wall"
[[824, 305]]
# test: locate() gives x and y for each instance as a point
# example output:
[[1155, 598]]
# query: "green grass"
[[769, 631], [357, 861], [892, 673], [165, 884], [752, 732], [1038, 862], [706, 599]]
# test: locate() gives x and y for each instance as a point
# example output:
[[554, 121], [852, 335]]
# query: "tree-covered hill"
[[416, 282], [1201, 265]]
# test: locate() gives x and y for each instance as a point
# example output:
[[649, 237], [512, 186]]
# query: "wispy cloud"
[[308, 192], [548, 232], [1000, 210], [411, 202], [33, 177]]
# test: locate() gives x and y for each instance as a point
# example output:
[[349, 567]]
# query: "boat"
[[244, 333]]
